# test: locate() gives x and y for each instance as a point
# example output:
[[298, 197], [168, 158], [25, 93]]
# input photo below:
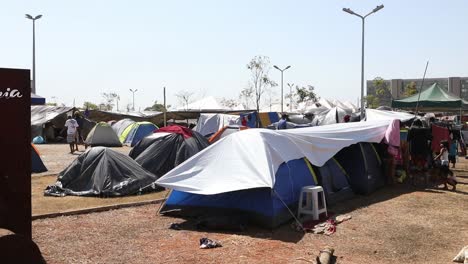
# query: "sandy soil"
[[398, 224]]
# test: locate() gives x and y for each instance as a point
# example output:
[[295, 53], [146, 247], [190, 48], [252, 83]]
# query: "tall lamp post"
[[33, 88], [133, 91], [281, 70], [290, 96], [349, 11]]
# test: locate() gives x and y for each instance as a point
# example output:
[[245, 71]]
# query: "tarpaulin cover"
[[374, 114], [184, 131], [210, 123], [162, 151], [102, 172], [250, 158]]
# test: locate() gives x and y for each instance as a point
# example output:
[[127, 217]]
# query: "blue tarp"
[[37, 100]]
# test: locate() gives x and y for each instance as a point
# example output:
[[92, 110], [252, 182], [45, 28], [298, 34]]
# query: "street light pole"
[[290, 96], [281, 70], [363, 18], [133, 91], [33, 88]]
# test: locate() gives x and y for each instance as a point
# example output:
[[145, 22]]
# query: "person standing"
[[79, 129], [282, 124], [453, 151], [71, 126]]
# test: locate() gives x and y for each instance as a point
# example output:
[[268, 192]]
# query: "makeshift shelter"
[[37, 166], [208, 124], [103, 135], [135, 132], [102, 171], [334, 115], [120, 126], [363, 164], [433, 98], [224, 132], [166, 148], [258, 163], [53, 116]]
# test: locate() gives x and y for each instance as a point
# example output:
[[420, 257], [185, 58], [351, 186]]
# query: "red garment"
[[439, 134], [185, 131]]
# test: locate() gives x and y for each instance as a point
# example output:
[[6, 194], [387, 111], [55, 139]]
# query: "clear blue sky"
[[88, 47]]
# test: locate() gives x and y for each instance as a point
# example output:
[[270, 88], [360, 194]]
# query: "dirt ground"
[[397, 224], [56, 158]]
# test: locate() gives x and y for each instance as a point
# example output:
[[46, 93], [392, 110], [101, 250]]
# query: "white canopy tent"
[[250, 158]]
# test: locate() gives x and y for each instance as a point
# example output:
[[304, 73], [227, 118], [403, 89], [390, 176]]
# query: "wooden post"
[[165, 110]]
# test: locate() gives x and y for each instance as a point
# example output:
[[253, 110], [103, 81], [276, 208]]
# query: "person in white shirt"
[[71, 126]]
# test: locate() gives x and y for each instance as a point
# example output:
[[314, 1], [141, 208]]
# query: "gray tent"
[[103, 135], [102, 172]]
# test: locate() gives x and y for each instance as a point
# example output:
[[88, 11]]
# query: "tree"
[[372, 101], [382, 91], [109, 99], [51, 104], [246, 96], [157, 107], [260, 81], [229, 103], [184, 97], [410, 89], [306, 93], [90, 106]]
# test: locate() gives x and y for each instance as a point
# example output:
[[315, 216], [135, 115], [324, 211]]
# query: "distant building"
[[397, 87]]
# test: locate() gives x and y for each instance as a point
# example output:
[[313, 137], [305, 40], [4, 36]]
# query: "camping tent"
[[102, 171], [433, 98], [37, 166], [166, 148], [42, 114], [262, 206], [120, 126], [335, 181], [136, 131], [364, 166], [251, 161], [37, 100], [103, 135], [209, 124]]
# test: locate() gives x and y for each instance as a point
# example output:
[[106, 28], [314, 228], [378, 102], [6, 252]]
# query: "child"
[[445, 171], [453, 153]]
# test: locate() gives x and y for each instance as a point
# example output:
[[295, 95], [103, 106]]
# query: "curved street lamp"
[[349, 11], [281, 70], [33, 88]]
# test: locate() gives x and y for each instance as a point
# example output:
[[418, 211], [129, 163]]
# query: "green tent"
[[433, 98]]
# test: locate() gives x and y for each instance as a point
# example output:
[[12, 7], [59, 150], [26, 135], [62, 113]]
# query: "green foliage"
[[372, 101], [410, 89], [90, 106], [51, 104], [156, 107], [306, 93]]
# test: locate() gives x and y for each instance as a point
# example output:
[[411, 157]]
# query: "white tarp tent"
[[209, 103], [210, 123], [373, 115], [250, 158]]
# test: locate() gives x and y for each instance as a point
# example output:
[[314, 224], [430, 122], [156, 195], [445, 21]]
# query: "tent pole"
[[295, 218], [419, 95], [163, 202], [165, 110]]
